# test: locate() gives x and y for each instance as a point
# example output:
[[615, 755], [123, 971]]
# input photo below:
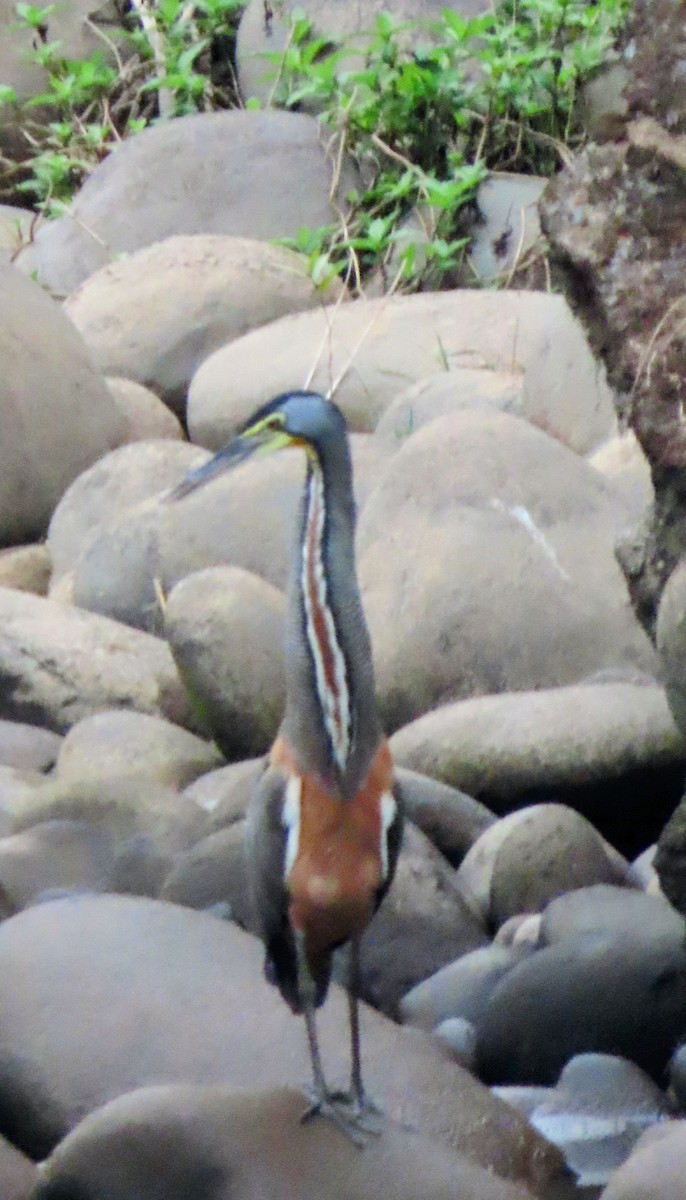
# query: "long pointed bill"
[[244, 446]]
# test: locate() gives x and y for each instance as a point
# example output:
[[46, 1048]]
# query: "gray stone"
[[18, 789], [510, 228], [380, 346], [224, 794], [670, 859], [451, 819], [597, 1113], [602, 105], [54, 854], [117, 744], [248, 174], [43, 356], [445, 393], [225, 629], [607, 909], [625, 467], [502, 746], [109, 490], [671, 642], [486, 562], [163, 983], [18, 1175], [146, 417], [551, 850], [27, 747], [655, 1169], [606, 993], [213, 873], [145, 822], [59, 665], [460, 1038], [198, 293], [533, 855], [26, 568], [459, 990], [186, 1142]]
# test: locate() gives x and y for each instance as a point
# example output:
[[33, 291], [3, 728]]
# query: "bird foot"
[[344, 1111], [361, 1110]]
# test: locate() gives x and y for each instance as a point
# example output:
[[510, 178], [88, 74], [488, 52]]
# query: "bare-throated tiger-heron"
[[324, 823]]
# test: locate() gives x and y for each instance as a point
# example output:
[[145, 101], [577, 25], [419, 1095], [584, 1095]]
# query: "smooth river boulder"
[[48, 383]]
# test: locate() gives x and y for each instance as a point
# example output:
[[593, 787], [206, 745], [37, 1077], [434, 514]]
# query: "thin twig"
[[338, 164], [381, 308], [518, 251], [326, 338], [280, 68], [108, 42], [394, 154], [645, 364]]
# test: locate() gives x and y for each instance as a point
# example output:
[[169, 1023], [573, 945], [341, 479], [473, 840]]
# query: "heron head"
[[303, 419]]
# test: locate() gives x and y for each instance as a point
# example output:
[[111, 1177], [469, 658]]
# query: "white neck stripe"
[[333, 693]]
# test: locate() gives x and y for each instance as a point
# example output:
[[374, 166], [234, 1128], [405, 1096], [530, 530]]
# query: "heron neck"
[[331, 716]]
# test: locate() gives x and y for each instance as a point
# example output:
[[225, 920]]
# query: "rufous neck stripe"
[[327, 655]]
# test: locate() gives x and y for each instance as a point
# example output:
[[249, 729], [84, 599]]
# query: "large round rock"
[[48, 385], [197, 293], [248, 174], [392, 343], [104, 994], [487, 564], [108, 491], [655, 1170], [614, 994], [59, 664], [532, 855], [225, 629], [520, 743], [213, 1143]]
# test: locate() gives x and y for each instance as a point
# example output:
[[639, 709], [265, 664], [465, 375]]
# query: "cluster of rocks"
[[525, 979]]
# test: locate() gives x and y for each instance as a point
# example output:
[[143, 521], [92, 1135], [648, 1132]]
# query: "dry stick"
[[366, 332], [279, 71], [338, 163], [381, 308], [394, 154], [545, 139], [146, 17], [326, 339], [111, 46], [518, 251], [645, 364]]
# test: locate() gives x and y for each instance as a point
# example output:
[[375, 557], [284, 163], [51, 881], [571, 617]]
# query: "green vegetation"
[[426, 110], [169, 59]]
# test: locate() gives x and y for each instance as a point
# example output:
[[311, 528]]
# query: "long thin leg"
[[356, 1085], [322, 1102], [365, 1110]]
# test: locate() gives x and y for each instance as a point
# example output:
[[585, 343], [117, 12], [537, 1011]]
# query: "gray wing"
[[265, 844]]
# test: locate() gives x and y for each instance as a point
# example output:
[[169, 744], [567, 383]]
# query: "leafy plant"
[[430, 110], [427, 110], [169, 59]]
